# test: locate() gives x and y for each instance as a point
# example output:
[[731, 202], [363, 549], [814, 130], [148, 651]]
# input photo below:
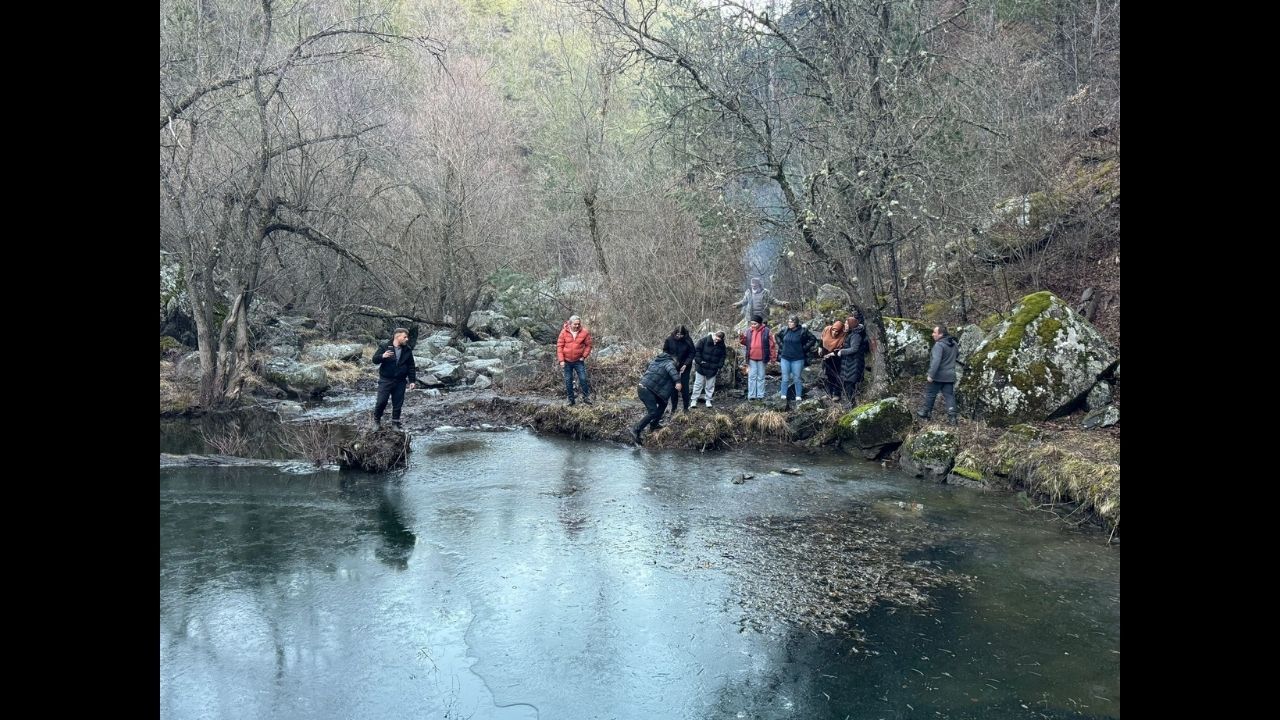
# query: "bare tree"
[[246, 135]]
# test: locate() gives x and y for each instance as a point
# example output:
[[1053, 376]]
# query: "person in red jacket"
[[761, 350], [572, 349]]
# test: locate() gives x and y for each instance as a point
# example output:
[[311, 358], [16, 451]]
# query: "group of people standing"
[[842, 349]]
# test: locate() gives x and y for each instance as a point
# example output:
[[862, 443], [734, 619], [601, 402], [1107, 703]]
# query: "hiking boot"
[[587, 401], [571, 402], [635, 437]]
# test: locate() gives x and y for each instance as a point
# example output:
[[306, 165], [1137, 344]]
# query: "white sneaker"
[[708, 403]]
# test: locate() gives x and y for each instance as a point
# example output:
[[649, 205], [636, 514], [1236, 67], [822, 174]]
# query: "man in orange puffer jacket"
[[572, 349]]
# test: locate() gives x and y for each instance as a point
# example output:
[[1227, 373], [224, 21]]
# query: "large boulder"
[[970, 337], [350, 352], [506, 350], [1039, 363], [283, 336], [188, 367], [1105, 416], [872, 429], [296, 378], [1099, 396], [832, 300], [535, 330], [929, 454], [447, 373], [485, 367], [175, 304], [908, 343], [807, 419], [522, 371], [435, 342], [448, 354], [491, 323]]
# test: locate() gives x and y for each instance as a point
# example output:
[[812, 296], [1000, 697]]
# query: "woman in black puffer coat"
[[680, 348]]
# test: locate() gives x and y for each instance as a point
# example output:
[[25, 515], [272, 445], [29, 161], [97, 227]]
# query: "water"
[[504, 575]]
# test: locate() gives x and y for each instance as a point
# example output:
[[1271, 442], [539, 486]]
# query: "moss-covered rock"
[[872, 429], [831, 301], [968, 470], [929, 454], [168, 345], [807, 419], [1038, 363], [908, 343]]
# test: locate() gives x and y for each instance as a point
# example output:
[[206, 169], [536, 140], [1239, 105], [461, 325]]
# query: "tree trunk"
[[593, 224]]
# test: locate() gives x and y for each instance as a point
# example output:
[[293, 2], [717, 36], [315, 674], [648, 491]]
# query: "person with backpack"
[[942, 374], [708, 358]]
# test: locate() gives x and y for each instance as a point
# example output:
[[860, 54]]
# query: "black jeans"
[[931, 394], [393, 389], [686, 391], [655, 405]]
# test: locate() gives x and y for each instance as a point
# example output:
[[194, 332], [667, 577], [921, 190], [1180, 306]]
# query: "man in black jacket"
[[942, 374], [395, 369], [708, 358], [660, 381]]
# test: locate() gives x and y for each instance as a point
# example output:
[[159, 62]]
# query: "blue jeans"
[[755, 379], [791, 370], [581, 367]]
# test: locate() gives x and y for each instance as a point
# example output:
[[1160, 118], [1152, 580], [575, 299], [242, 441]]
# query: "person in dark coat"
[[660, 382], [708, 358], [795, 344], [853, 357], [396, 372], [681, 350]]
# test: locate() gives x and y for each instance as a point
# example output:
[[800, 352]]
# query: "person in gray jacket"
[[942, 374], [757, 300], [659, 382]]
